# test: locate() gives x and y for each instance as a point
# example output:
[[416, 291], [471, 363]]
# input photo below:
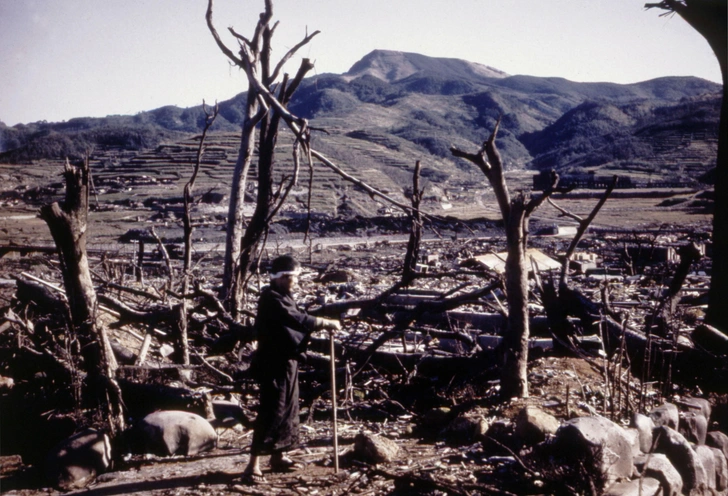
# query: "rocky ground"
[[439, 454], [443, 459]]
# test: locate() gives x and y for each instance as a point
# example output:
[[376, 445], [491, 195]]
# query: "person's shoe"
[[251, 479]]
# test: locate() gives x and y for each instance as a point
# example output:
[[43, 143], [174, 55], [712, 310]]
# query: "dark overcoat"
[[283, 333]]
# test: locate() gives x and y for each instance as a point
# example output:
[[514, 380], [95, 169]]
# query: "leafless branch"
[[187, 221], [583, 226], [489, 160], [291, 53], [217, 38]]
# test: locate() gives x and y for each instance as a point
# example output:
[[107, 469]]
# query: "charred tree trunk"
[[68, 225], [515, 342], [717, 309], [236, 217], [139, 270], [710, 19], [689, 254], [413, 245], [515, 213]]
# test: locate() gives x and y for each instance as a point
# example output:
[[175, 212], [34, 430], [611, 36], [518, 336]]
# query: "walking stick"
[[333, 401]]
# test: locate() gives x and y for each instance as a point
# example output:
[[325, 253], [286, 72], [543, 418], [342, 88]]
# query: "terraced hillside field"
[[144, 189]]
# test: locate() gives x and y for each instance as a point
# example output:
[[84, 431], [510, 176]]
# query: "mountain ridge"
[[429, 104]]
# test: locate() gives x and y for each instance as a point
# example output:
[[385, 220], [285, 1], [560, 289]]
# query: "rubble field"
[[430, 395]]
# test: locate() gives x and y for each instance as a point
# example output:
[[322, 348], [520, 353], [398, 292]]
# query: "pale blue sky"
[[72, 58]]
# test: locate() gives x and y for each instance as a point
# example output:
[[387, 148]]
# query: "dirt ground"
[[219, 471]]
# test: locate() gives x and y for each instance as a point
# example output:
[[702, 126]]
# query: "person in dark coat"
[[283, 335]]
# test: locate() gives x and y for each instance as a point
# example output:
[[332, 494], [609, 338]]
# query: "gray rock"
[[634, 440], [174, 432], [375, 448], [665, 414], [75, 462], [657, 466], [698, 404], [716, 439], [694, 426], [705, 455], [646, 486], [721, 469], [533, 425], [644, 426], [682, 456], [607, 440]]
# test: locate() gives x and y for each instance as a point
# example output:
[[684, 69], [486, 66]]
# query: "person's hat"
[[283, 266]]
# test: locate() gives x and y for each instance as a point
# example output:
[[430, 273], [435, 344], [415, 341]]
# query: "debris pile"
[[417, 370]]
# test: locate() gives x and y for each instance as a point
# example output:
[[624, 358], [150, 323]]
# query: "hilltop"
[[394, 108]]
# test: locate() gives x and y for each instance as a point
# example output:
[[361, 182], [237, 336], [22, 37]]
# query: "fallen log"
[[429, 363], [150, 316], [28, 292], [710, 338]]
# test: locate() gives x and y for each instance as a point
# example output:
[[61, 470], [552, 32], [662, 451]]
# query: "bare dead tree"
[[558, 298], [252, 116], [182, 352], [210, 117], [413, 245], [254, 57], [584, 224], [68, 223], [268, 201], [300, 129], [515, 211], [710, 19]]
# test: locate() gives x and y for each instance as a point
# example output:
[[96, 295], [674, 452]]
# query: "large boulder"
[[694, 426], [174, 432], [683, 457], [705, 455], [645, 486], [665, 414], [533, 425], [657, 466], [717, 439], [721, 469], [75, 462], [606, 440], [634, 440], [698, 404], [644, 426]]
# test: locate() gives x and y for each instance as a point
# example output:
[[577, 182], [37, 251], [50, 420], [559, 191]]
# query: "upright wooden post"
[[333, 402]]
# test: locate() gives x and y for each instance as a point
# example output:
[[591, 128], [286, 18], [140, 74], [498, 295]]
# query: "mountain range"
[[417, 107]]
